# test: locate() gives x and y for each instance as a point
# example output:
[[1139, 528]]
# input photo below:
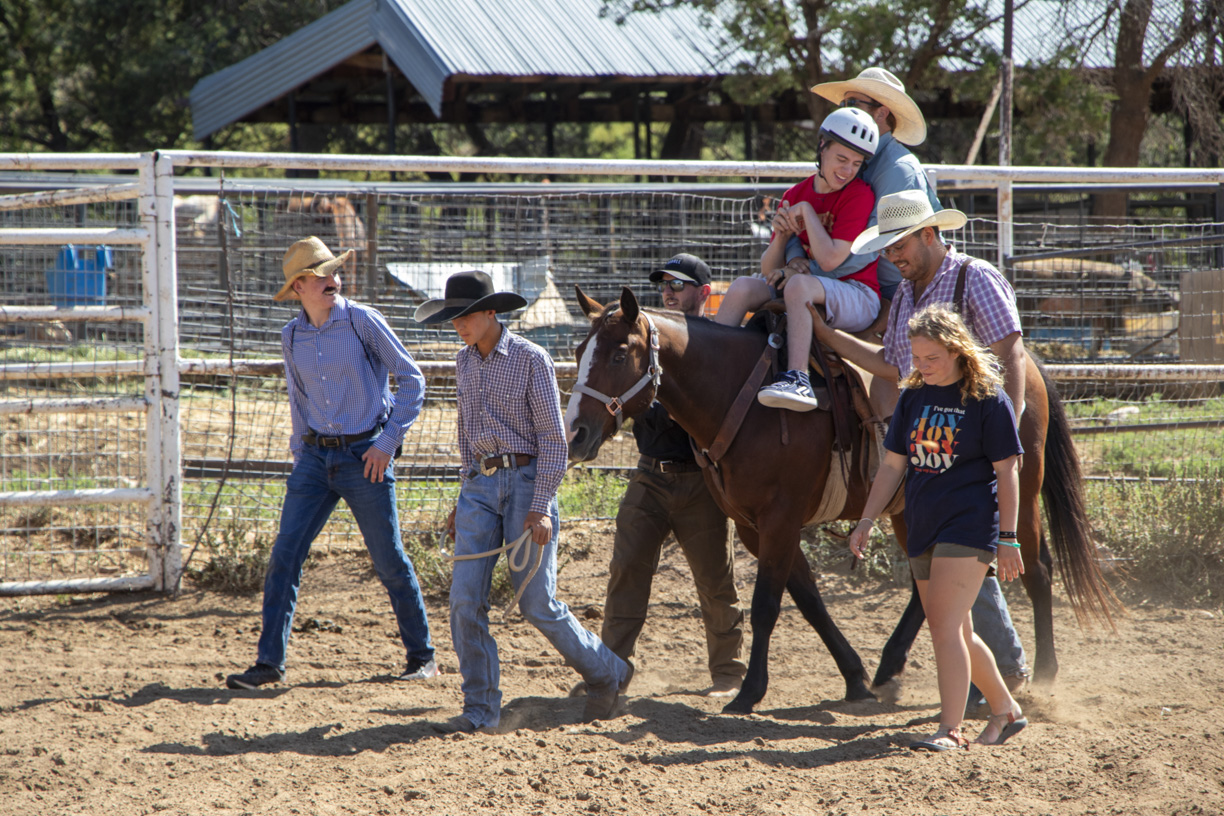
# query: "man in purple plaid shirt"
[[513, 448], [908, 234]]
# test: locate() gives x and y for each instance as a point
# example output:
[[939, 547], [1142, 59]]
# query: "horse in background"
[[776, 472], [332, 216]]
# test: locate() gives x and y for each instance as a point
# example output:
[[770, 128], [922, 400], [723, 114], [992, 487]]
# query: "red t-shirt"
[[844, 214]]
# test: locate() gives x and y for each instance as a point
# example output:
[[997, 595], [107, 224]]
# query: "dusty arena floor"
[[116, 705]]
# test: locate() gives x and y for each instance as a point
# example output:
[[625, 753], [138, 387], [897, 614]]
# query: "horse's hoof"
[[1043, 676], [889, 691], [858, 692], [737, 706]]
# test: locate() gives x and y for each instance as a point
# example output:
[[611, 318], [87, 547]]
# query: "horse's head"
[[618, 372]]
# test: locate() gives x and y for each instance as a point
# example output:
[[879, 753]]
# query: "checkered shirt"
[[508, 403], [338, 382], [989, 306]]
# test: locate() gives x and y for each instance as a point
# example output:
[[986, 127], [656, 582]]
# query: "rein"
[[518, 556], [654, 373], [709, 458]]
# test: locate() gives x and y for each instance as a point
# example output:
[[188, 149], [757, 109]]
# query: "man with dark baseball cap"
[[684, 267], [667, 493]]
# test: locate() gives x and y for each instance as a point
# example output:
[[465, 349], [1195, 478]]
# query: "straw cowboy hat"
[[885, 88], [467, 292], [309, 256], [902, 214]]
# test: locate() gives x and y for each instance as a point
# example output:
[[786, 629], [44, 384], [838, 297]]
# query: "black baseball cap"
[[685, 267]]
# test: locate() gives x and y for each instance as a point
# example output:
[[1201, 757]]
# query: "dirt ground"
[[116, 705]]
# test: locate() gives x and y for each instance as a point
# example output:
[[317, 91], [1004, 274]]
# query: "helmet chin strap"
[[821, 145]]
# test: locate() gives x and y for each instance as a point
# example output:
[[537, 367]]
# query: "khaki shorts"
[[850, 305], [920, 566]]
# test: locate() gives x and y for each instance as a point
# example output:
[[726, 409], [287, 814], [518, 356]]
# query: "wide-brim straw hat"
[[467, 292], [309, 256], [902, 214], [885, 88]]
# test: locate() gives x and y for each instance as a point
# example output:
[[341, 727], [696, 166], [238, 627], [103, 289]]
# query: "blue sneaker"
[[792, 391]]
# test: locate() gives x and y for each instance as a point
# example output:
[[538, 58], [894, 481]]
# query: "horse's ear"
[[629, 305], [589, 305]]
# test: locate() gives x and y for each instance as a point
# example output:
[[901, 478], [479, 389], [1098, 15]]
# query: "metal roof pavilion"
[[449, 50]]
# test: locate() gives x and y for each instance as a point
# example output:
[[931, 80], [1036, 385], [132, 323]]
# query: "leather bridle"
[[654, 372]]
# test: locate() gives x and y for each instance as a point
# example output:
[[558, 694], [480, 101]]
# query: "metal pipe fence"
[[1131, 332]]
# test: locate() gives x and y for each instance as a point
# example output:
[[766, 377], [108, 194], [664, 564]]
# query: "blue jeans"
[[492, 510], [993, 624], [321, 477]]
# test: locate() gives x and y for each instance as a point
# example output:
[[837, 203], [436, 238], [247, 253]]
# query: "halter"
[[654, 372]]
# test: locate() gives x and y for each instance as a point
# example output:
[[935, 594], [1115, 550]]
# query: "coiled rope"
[[518, 555]]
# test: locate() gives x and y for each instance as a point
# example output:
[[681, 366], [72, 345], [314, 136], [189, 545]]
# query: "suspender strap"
[[958, 295]]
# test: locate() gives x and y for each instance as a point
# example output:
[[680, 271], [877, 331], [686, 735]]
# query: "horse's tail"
[[1062, 491]]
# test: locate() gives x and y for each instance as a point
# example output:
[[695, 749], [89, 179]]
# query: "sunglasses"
[[861, 104], [674, 284]]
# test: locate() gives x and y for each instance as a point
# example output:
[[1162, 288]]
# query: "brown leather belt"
[[315, 439], [507, 460], [667, 465]]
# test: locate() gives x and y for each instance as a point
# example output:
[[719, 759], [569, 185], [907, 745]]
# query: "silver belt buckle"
[[491, 470]]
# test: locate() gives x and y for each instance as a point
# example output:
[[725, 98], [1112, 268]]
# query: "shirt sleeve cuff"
[[385, 444]]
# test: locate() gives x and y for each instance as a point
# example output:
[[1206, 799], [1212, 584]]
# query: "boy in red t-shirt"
[[809, 258]]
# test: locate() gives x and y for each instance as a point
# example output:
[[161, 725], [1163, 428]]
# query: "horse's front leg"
[[772, 570]]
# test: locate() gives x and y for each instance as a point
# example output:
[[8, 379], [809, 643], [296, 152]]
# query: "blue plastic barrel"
[[79, 276]]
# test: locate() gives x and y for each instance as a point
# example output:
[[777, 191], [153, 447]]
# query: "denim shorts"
[[920, 566]]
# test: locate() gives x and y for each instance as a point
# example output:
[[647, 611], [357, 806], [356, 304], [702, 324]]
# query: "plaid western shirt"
[[338, 381], [989, 306], [508, 403]]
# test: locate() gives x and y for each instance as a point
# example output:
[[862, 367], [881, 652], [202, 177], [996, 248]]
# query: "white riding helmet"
[[853, 128]]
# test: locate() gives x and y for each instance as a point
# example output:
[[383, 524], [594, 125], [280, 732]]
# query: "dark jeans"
[[321, 477]]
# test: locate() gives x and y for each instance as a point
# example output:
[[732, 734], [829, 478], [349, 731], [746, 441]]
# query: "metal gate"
[[26, 568]]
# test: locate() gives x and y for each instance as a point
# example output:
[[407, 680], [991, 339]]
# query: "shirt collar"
[[886, 141], [502, 347], [503, 342], [337, 312]]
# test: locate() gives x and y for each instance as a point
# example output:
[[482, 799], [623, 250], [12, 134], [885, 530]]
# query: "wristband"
[[869, 521], [1015, 544], [1007, 534]]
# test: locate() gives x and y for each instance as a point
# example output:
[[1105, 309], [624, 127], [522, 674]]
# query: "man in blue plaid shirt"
[[513, 448], [347, 426]]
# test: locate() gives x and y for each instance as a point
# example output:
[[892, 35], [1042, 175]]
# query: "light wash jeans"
[[319, 480], [491, 511], [993, 624]]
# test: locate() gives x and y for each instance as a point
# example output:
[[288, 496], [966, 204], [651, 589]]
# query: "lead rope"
[[517, 557]]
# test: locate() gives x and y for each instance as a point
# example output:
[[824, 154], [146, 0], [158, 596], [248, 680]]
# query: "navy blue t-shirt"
[[950, 489]]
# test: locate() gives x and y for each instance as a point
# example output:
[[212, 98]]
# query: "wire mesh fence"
[[1148, 291]]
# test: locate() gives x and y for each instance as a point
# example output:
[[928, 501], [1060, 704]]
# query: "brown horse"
[[774, 476]]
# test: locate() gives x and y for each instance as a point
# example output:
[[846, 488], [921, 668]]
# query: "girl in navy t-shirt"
[[953, 437]]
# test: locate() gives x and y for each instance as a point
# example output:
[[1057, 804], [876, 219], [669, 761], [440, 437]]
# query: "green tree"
[[794, 44], [89, 75], [1146, 38]]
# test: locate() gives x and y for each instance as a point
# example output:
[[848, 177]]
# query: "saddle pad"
[[834, 497]]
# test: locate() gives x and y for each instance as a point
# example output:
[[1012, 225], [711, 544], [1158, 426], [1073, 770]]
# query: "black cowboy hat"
[[467, 292]]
